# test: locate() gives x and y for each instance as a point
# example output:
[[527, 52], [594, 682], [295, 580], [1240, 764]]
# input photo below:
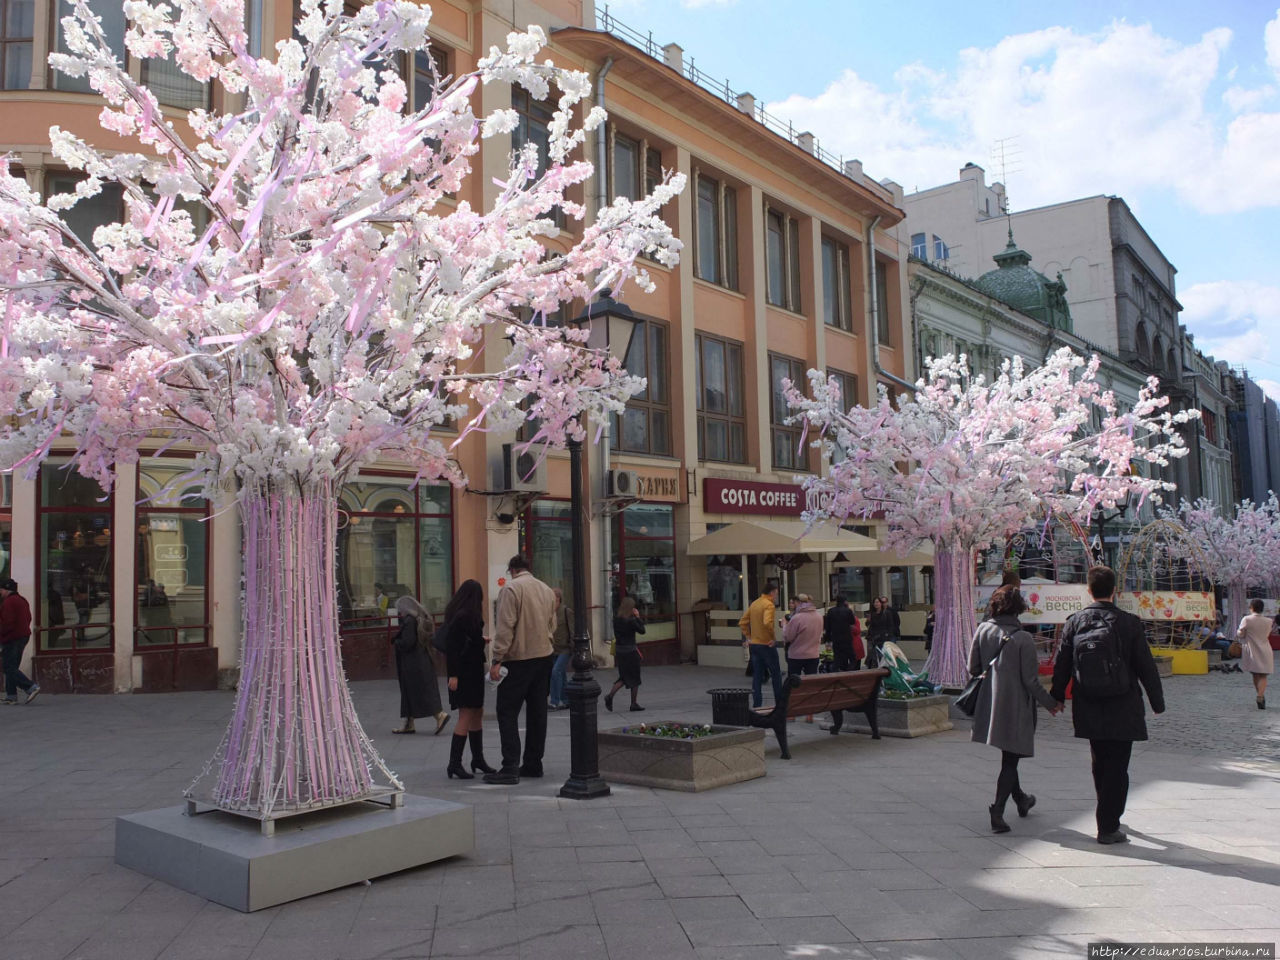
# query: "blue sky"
[[1173, 105]]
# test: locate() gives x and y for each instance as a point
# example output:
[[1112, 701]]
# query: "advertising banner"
[[1168, 604], [1047, 603]]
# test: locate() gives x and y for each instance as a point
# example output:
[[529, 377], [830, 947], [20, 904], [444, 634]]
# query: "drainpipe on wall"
[[606, 539], [875, 314]]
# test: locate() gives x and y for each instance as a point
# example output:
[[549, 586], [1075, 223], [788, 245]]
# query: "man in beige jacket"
[[526, 619]]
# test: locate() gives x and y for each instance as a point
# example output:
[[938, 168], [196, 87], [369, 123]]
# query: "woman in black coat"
[[626, 654], [419, 694], [882, 625], [465, 643]]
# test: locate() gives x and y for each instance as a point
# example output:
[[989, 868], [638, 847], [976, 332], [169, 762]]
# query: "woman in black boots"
[[1006, 714], [626, 654], [465, 642]]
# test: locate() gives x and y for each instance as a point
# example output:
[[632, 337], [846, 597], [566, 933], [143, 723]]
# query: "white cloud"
[[1115, 112], [1238, 322]]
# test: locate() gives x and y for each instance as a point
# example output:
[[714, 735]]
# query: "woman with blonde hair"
[[419, 692], [626, 624]]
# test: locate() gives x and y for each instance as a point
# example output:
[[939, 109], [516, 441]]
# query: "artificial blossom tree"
[[1242, 552], [299, 286], [962, 464]]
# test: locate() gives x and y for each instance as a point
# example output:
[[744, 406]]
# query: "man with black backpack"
[[1104, 655]]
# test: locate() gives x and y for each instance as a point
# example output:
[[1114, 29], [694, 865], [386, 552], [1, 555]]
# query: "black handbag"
[[967, 702]]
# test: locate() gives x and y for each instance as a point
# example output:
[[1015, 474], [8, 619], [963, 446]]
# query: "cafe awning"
[[919, 557], [783, 536]]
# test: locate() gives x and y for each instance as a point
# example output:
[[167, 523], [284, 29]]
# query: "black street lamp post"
[[582, 690]]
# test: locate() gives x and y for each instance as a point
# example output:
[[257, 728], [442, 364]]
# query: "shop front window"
[[853, 583], [644, 557], [545, 540], [6, 525], [393, 541], [74, 608], [171, 558]]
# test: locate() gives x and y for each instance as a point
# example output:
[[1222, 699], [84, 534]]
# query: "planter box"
[[917, 717], [1185, 662], [1164, 665], [727, 755]]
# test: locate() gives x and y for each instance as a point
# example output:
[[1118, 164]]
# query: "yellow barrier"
[[1185, 661]]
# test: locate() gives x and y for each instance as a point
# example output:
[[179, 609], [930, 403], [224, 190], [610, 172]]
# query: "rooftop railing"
[[743, 102]]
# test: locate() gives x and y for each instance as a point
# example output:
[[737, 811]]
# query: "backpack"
[[1099, 669], [440, 639]]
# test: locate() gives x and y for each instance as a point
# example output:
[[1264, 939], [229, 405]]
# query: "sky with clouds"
[[1173, 105]]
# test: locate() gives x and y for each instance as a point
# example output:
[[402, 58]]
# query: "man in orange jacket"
[[758, 625]]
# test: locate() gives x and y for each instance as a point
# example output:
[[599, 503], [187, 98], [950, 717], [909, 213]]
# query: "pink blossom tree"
[[963, 464], [294, 291], [1241, 552]]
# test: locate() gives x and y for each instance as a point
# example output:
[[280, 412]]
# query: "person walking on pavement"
[[1256, 655], [1006, 713], [881, 626], [526, 620], [758, 625], [562, 646], [626, 655], [803, 636], [15, 631], [1105, 657], [419, 690], [464, 654], [844, 632]]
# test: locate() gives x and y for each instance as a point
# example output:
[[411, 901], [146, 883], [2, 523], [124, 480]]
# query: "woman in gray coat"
[[1006, 714], [419, 691]]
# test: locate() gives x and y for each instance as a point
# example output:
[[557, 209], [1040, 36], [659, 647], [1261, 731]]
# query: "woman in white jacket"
[[1256, 654]]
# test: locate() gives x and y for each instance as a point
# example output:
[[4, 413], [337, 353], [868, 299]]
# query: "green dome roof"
[[1016, 283]]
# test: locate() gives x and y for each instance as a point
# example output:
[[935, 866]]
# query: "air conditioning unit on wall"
[[624, 483], [523, 472]]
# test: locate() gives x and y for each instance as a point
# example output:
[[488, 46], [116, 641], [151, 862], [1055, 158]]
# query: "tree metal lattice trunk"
[[294, 742], [1237, 607], [954, 622]]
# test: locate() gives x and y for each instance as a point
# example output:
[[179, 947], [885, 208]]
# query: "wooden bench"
[[821, 693]]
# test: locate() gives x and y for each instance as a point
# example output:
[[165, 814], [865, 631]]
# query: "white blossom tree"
[[1241, 551], [963, 464], [294, 291]]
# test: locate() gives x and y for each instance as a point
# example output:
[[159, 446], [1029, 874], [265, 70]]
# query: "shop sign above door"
[[754, 497]]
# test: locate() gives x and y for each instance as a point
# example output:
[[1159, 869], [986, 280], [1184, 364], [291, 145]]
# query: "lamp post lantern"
[[612, 326]]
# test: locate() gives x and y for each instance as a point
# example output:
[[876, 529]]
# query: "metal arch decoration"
[[1164, 558]]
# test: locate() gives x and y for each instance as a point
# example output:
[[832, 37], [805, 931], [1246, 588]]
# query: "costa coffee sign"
[[749, 496]]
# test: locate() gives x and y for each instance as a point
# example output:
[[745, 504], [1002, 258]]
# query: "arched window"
[[1172, 365], [1142, 346], [1157, 353]]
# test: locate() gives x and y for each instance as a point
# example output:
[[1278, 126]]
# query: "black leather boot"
[[455, 768], [997, 819], [477, 753]]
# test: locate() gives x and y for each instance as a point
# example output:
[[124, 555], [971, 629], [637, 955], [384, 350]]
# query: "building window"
[[74, 604], [545, 538], [919, 246], [644, 555], [785, 439], [782, 248], [717, 233], [17, 31], [171, 559], [534, 125], [430, 67], [92, 212], [837, 307], [645, 426], [722, 426], [940, 250], [635, 167], [1210, 426], [111, 13], [882, 304], [171, 86], [393, 540], [848, 384]]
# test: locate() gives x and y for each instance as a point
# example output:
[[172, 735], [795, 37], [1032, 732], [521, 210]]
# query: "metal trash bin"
[[730, 706]]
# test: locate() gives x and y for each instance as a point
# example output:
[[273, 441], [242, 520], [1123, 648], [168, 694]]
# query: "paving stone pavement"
[[854, 849]]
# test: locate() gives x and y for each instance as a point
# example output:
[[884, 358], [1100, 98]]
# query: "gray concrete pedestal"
[[226, 859]]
